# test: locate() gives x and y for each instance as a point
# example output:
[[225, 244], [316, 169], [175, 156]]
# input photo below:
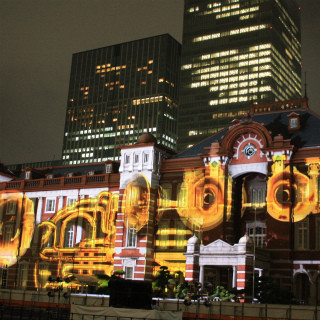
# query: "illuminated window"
[[257, 232], [7, 233], [69, 235], [163, 232], [302, 234], [43, 273], [180, 236], [11, 207], [23, 275], [71, 201], [50, 205], [108, 168], [131, 236]]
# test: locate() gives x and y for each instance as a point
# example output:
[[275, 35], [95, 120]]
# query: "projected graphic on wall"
[[81, 237]]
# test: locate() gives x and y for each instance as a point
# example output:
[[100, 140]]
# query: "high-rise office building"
[[235, 53], [117, 93]]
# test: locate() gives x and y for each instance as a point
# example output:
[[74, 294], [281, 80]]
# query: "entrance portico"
[[240, 257]]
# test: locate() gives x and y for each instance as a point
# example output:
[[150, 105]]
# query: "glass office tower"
[[117, 93], [235, 53]]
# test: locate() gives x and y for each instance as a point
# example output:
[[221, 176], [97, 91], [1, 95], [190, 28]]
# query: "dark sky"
[[38, 38]]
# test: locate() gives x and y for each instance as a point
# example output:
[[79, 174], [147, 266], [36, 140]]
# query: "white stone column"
[[39, 210], [60, 203], [234, 276], [201, 276]]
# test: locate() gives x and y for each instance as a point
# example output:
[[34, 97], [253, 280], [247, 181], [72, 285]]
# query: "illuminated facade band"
[[246, 198]]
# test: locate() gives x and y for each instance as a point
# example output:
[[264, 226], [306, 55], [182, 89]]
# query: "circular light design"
[[249, 150]]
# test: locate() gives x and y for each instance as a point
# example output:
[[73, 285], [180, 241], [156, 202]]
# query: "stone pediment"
[[218, 246]]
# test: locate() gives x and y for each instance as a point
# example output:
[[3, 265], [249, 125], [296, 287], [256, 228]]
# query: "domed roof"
[[147, 138], [245, 239], [193, 240]]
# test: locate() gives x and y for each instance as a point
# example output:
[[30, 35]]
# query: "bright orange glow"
[[22, 224], [95, 249], [202, 198], [288, 195], [137, 200]]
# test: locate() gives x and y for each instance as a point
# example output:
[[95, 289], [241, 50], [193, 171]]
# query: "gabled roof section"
[[276, 121]]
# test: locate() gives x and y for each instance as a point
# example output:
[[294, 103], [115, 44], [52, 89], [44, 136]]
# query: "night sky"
[[38, 38]]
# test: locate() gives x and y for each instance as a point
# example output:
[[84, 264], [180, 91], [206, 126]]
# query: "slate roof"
[[277, 123]]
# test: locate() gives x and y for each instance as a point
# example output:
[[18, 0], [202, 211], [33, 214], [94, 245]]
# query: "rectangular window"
[[23, 276], [129, 272], [302, 234], [136, 158], [11, 207], [146, 157], [131, 237], [3, 276], [71, 201], [7, 234], [108, 168], [69, 236], [50, 205], [257, 232], [127, 159]]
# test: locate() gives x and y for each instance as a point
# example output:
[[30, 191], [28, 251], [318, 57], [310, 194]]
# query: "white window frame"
[[50, 205], [294, 123], [69, 234], [71, 201], [28, 175], [129, 272], [146, 157], [131, 236], [108, 168], [259, 238]]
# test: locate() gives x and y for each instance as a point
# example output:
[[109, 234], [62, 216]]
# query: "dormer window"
[[28, 175], [294, 121], [108, 168]]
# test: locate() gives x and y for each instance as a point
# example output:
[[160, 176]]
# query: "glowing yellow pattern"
[[20, 242], [290, 194], [94, 253], [203, 200]]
